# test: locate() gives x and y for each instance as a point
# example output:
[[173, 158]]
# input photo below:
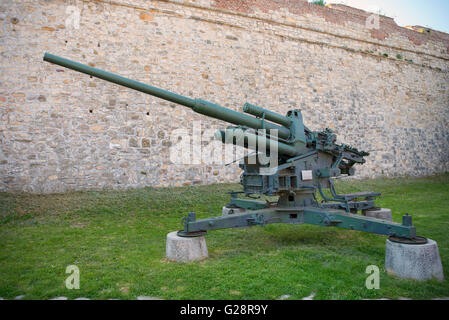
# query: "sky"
[[433, 14]]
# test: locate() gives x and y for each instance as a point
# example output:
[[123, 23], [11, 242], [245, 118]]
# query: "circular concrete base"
[[418, 262], [181, 249], [382, 214], [230, 211]]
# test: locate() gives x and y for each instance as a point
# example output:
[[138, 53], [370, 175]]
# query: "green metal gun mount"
[[308, 161]]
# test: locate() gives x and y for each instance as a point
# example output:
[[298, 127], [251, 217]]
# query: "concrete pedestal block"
[[230, 211], [418, 262], [382, 214], [183, 249]]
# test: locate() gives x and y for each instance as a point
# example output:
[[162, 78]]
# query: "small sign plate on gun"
[[307, 175]]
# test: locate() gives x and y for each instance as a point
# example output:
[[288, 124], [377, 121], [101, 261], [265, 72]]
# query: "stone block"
[[418, 262], [382, 214], [230, 211], [184, 249]]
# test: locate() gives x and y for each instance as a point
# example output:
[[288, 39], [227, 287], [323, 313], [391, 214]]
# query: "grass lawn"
[[117, 239]]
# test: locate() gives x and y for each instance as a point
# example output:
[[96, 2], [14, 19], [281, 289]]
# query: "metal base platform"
[[300, 215]]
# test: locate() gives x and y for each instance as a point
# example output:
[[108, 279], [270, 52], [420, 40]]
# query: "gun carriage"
[[307, 163]]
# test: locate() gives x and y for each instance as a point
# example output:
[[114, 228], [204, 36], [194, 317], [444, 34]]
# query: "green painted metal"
[[197, 105], [251, 141], [309, 215], [308, 161], [338, 218], [248, 204], [267, 114], [136, 85]]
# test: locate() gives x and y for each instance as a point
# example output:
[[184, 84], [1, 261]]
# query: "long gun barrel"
[[197, 105], [307, 161]]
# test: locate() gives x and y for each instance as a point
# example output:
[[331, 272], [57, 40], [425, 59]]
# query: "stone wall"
[[384, 90]]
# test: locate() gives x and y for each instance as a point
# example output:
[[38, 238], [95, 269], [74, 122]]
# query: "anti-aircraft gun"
[[307, 163]]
